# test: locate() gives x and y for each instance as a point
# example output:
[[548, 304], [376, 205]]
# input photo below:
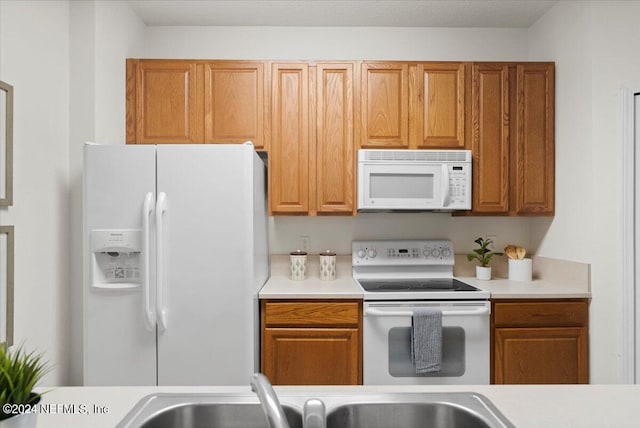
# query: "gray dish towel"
[[426, 340]]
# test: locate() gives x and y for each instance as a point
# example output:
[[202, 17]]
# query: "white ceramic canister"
[[297, 265], [328, 266], [520, 270]]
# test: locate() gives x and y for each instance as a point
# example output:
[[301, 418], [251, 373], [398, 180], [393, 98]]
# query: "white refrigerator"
[[175, 252]]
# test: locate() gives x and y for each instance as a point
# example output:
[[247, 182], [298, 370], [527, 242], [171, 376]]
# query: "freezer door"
[[119, 345], [208, 292]]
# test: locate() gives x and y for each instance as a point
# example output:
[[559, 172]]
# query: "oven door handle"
[[380, 313]]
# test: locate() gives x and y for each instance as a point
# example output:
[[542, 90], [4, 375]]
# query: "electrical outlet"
[[305, 243]]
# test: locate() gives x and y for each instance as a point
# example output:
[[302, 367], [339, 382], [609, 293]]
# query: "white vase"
[[520, 270], [483, 273], [25, 420]]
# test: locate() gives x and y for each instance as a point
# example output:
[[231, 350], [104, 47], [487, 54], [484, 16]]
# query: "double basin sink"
[[343, 410]]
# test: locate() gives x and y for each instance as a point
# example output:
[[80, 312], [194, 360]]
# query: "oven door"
[[387, 343]]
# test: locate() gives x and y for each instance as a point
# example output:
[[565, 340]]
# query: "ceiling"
[[342, 13]]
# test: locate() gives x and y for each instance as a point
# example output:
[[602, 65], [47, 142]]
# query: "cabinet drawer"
[[555, 313], [321, 313]]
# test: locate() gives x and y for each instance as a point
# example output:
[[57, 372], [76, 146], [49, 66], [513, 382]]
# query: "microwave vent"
[[418, 155]]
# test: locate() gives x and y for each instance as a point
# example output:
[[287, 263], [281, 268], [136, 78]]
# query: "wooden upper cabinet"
[[334, 145], [235, 102], [163, 102], [534, 140], [490, 137], [289, 145], [513, 138], [384, 94], [439, 106]]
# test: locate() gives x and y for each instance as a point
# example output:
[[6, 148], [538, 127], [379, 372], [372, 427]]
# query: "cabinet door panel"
[[440, 122], [166, 103], [235, 102], [490, 138], [541, 355], [289, 151], [385, 103], [311, 356], [335, 139], [534, 141]]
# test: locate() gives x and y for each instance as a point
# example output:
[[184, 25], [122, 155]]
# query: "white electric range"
[[400, 276]]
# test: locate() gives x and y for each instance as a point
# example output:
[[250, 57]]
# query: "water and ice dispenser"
[[116, 258]]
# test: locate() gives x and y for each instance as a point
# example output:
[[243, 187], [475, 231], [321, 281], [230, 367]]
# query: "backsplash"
[[336, 233]]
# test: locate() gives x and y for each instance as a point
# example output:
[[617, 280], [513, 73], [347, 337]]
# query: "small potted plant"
[[483, 254], [19, 373]]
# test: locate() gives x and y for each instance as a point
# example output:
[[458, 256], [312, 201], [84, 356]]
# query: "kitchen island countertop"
[[526, 406]]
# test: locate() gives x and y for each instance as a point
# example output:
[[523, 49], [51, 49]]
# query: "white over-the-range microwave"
[[414, 180]]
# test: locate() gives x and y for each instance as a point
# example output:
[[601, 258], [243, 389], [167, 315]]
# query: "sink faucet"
[[314, 414], [269, 401]]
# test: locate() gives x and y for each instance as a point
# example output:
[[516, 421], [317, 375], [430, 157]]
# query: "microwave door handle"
[[447, 186]]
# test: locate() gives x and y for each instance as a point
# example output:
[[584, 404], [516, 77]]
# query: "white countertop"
[[548, 284], [526, 406], [280, 286], [502, 288]]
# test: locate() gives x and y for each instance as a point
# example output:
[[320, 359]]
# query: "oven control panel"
[[406, 252]]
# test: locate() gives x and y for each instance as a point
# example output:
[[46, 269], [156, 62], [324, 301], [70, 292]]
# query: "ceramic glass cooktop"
[[424, 285]]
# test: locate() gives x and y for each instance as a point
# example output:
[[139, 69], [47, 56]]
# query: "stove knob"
[[362, 253], [435, 253], [446, 252], [372, 253], [426, 252]]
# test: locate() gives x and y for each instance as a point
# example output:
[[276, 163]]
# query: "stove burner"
[[422, 285]]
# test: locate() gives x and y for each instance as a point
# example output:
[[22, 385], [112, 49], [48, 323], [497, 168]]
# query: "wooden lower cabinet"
[[310, 342], [540, 341]]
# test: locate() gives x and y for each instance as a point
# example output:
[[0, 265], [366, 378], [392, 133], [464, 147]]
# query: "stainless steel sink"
[[206, 410], [343, 410], [406, 415]]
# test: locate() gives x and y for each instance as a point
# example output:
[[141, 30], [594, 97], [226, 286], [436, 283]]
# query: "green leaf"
[[19, 374]]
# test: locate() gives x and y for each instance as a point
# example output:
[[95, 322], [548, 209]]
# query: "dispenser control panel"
[[116, 258]]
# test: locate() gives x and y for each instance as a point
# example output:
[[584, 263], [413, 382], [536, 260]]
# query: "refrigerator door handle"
[[147, 210], [161, 312]]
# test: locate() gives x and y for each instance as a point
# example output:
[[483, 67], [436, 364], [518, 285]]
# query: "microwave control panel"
[[460, 186], [406, 252]]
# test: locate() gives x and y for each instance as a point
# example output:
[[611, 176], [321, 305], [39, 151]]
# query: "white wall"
[[82, 128], [336, 233], [340, 43], [119, 35], [34, 58], [595, 46]]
